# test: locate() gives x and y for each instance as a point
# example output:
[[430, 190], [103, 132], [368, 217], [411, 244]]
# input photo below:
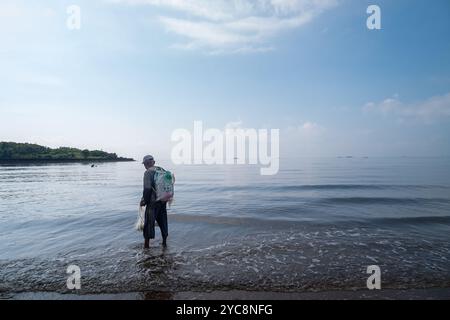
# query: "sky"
[[137, 70]]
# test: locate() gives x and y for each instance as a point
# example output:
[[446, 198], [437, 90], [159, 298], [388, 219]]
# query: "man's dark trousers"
[[155, 212]]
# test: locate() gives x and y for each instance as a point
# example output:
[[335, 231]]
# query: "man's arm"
[[146, 197], [147, 192]]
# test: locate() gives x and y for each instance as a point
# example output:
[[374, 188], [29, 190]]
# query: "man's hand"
[[142, 204]]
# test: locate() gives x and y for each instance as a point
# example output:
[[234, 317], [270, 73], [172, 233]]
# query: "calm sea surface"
[[316, 225]]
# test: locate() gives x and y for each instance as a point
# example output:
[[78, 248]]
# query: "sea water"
[[316, 225]]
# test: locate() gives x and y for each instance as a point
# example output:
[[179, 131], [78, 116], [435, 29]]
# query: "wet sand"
[[387, 294]]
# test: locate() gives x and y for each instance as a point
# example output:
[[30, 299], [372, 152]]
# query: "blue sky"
[[138, 69]]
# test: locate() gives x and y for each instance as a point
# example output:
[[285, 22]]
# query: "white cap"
[[147, 159]]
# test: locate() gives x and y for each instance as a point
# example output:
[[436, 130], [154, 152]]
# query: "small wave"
[[335, 187], [308, 187], [305, 222], [236, 220], [383, 200], [413, 220]]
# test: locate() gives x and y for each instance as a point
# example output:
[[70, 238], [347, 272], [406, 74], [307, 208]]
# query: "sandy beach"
[[387, 294]]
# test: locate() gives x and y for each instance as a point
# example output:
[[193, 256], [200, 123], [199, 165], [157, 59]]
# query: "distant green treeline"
[[11, 151]]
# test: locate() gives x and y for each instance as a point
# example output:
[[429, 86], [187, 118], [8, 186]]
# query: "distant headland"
[[26, 152]]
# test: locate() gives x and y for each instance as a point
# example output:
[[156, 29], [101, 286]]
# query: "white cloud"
[[232, 26], [203, 32], [428, 110], [306, 129]]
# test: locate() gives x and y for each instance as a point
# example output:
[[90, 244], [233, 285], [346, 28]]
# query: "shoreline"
[[384, 294], [53, 161]]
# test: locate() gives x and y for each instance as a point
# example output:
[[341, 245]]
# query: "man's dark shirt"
[[149, 194]]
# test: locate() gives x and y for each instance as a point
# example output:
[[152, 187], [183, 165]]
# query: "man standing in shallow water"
[[155, 210]]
